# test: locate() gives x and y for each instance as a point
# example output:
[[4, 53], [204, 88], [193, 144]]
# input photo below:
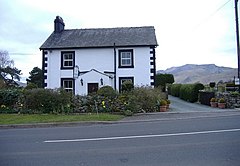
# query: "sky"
[[187, 31]]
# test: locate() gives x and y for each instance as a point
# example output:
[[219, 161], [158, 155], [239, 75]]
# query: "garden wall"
[[232, 100]]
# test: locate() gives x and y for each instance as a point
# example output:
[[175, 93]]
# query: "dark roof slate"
[[101, 37]]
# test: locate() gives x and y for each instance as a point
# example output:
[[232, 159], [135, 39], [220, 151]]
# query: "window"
[[123, 79], [67, 84], [67, 60], [125, 58]]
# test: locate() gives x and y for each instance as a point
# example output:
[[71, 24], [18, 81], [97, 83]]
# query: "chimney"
[[58, 24]]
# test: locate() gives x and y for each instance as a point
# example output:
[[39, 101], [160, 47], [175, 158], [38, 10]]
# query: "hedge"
[[174, 89], [9, 97], [139, 99], [190, 92]]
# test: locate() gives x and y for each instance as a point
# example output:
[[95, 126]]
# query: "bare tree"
[[7, 69]]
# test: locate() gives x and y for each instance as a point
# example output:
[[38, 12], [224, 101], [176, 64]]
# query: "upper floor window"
[[125, 58], [67, 59]]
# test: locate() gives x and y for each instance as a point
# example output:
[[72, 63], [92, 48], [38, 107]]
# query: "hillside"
[[205, 74]]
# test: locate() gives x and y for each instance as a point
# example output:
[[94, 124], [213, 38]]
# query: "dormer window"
[[67, 60], [126, 58]]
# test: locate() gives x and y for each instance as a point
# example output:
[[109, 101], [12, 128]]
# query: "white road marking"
[[140, 136]]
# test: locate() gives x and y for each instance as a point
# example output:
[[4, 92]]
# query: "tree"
[[163, 79], [7, 69], [36, 77]]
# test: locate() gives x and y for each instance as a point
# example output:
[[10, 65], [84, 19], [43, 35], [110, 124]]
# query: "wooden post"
[[237, 35]]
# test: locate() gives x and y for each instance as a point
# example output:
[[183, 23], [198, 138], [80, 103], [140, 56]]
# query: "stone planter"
[[214, 104], [163, 108], [221, 105]]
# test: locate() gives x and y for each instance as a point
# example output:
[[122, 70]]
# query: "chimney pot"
[[58, 24]]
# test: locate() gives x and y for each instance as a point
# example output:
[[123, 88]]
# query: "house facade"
[[84, 60]]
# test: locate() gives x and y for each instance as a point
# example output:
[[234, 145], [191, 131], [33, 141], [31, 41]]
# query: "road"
[[207, 141]]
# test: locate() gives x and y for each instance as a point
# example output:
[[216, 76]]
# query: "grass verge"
[[6, 119]]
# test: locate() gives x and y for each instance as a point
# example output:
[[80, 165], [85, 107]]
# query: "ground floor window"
[[123, 79], [67, 84]]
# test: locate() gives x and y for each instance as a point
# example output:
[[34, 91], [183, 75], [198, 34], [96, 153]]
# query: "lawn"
[[50, 118]]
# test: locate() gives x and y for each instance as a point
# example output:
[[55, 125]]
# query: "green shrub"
[[31, 86], [190, 92], [213, 99], [221, 100], [212, 84], [107, 91], [47, 100], [145, 98], [9, 97], [175, 89], [127, 86]]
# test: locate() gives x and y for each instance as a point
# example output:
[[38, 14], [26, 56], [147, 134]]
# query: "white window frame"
[[126, 58], [65, 84], [67, 60], [67, 57]]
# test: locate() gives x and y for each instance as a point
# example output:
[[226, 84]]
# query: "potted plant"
[[213, 102], [163, 105], [168, 103], [221, 103]]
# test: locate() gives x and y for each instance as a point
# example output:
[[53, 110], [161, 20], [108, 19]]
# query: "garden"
[[106, 101]]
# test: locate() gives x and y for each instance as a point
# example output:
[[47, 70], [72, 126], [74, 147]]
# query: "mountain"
[[191, 73]]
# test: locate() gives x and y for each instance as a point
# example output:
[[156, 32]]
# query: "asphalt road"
[[207, 141]]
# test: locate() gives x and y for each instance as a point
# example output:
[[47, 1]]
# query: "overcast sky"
[[188, 31]]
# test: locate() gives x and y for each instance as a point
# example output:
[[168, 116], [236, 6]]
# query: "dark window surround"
[[124, 78], [120, 61], [62, 54], [68, 79]]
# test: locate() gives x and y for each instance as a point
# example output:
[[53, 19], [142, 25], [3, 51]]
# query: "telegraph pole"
[[237, 35]]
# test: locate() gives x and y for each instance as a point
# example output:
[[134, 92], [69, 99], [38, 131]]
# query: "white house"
[[83, 60]]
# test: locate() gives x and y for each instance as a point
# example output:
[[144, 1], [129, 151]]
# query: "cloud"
[[187, 31]]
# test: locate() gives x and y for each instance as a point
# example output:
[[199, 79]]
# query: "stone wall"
[[233, 101]]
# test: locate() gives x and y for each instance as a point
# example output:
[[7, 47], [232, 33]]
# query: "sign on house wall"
[[75, 72]]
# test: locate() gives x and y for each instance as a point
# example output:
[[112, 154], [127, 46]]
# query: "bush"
[[221, 100], [127, 86], [139, 99], [107, 91], [213, 100], [47, 100], [145, 98], [9, 97], [175, 90], [31, 86], [212, 84], [190, 92]]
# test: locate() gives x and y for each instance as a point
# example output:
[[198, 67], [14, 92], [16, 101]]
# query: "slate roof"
[[101, 37]]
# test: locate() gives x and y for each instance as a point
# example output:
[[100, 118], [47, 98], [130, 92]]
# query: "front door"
[[92, 87]]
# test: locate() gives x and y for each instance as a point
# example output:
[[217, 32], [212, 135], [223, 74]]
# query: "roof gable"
[[101, 37]]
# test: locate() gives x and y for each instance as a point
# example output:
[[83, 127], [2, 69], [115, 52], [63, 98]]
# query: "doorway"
[[92, 87]]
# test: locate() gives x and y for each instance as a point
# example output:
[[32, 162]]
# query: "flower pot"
[[214, 104], [221, 105], [163, 108]]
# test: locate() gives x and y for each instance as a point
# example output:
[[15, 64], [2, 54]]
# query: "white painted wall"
[[91, 77], [141, 70], [101, 60]]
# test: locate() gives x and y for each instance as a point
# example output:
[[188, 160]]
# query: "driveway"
[[180, 109], [178, 105]]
